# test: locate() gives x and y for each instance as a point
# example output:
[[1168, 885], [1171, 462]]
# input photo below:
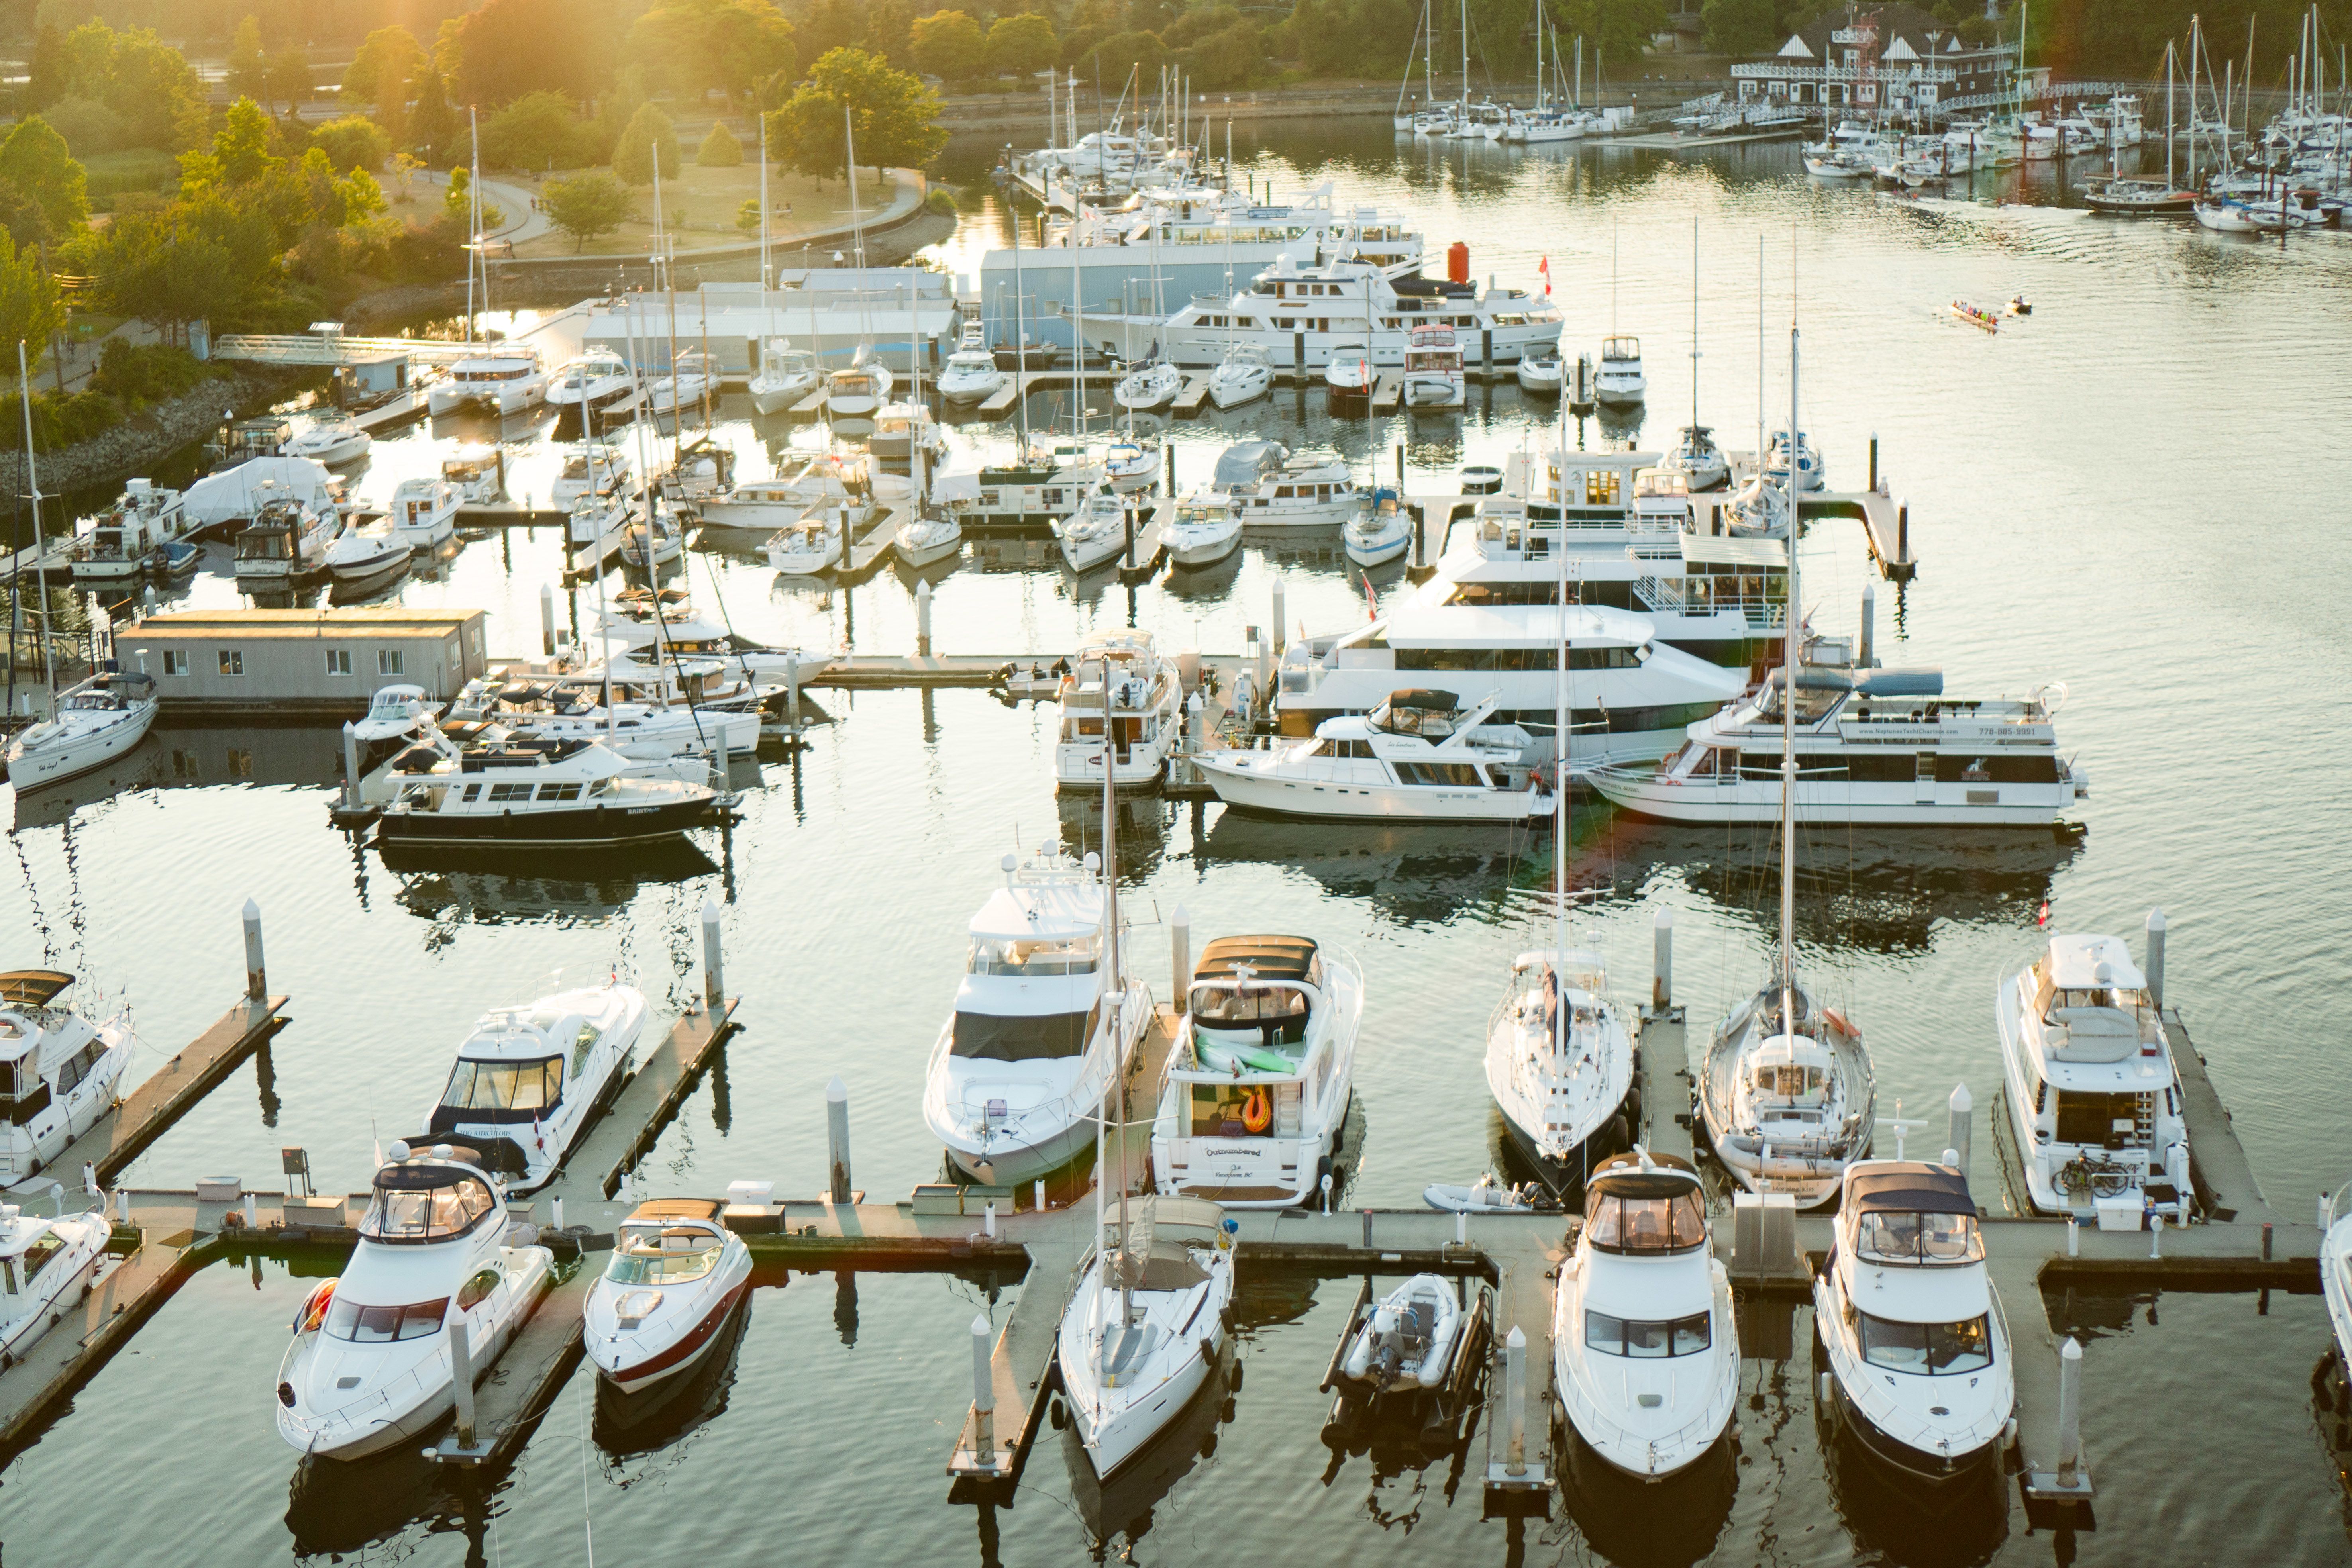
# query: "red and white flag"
[[1544, 267]]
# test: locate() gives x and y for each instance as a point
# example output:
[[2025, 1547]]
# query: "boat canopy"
[[422, 1201], [1245, 464], [1909, 1185], [2086, 963], [1909, 1212], [1427, 714], [1265, 958], [32, 988], [1645, 1203]]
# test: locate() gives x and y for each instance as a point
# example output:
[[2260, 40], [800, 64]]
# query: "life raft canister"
[[1257, 1111]]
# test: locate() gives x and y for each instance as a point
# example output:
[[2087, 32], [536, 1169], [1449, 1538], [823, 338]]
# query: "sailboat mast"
[[1693, 320], [40, 551], [1793, 617], [1560, 713], [474, 223], [1116, 983], [1020, 329], [1466, 62]]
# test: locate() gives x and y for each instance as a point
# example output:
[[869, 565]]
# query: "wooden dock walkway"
[[2223, 1176], [125, 1294], [875, 537], [645, 1104]]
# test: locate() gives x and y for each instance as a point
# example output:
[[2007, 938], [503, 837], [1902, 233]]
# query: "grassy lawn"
[[700, 203], [133, 169]]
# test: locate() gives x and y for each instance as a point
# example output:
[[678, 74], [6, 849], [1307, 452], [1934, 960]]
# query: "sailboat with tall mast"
[[1404, 120], [1696, 456], [504, 381], [863, 384], [786, 374], [1785, 1091]]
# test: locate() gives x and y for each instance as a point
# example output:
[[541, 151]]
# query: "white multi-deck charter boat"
[[1644, 1353], [370, 1365], [676, 1273], [1017, 1081], [1918, 1347], [95, 722], [509, 380], [57, 1070], [1256, 1089], [1418, 756], [1882, 747], [2094, 1099], [531, 1078], [1146, 711]]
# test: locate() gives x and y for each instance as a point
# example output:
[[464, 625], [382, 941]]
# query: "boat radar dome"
[[444, 1152], [399, 1150], [1093, 861]]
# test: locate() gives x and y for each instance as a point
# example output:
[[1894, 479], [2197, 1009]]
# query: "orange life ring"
[[1257, 1111]]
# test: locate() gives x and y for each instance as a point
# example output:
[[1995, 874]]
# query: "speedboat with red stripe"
[[677, 1274]]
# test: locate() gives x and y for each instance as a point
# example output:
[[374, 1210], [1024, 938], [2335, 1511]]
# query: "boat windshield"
[[1647, 1338], [1029, 1037], [1618, 1222], [423, 1204], [1278, 1012], [1053, 955], [533, 1085], [1925, 1349], [1903, 1236], [376, 1325], [653, 1255]]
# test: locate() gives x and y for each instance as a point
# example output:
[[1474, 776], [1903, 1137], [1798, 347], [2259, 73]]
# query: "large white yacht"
[[530, 1078], [786, 375], [1882, 747], [591, 381], [1146, 711], [1645, 1353], [1258, 1086], [96, 721], [1044, 1019], [370, 1365], [509, 380], [2094, 1102], [1918, 1347], [1420, 756], [45, 1265], [1145, 1324], [858, 388], [763, 506], [58, 1071]]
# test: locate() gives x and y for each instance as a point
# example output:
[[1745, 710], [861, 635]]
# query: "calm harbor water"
[[2129, 492]]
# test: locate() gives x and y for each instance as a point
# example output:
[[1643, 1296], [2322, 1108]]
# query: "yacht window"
[[1223, 1007], [1033, 1037], [1928, 1349], [559, 791], [1459, 775], [585, 1042], [79, 1065], [1648, 1339], [1060, 956], [647, 1256], [36, 1254], [510, 792], [504, 1085], [1619, 1223], [431, 1205], [1901, 1236]]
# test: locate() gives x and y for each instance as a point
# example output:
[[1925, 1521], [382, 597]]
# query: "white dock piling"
[[987, 1220], [1959, 1125], [2073, 1236], [89, 1178], [1514, 1398], [1038, 1200], [461, 1379], [252, 1213], [1462, 1227], [2323, 1214], [714, 983], [1662, 961], [122, 1205], [2069, 1410], [837, 1121], [2155, 965], [1866, 655], [923, 618], [547, 620], [555, 1204], [1277, 618], [351, 766], [1180, 951], [256, 981], [984, 1394]]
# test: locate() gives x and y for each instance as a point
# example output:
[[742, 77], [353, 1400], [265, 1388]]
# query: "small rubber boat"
[[1486, 1196], [1412, 1359], [2019, 305]]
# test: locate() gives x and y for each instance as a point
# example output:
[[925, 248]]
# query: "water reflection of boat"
[[1142, 829], [1121, 1506], [1637, 1523], [343, 1507], [479, 887], [1430, 872], [48, 805], [1903, 1523], [666, 1413]]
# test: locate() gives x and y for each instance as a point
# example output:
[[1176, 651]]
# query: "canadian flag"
[[1544, 267]]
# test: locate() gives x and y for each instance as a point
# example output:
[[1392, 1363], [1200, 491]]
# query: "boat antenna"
[[1561, 716]]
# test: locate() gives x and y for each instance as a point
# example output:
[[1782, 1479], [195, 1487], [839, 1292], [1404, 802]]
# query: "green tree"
[[1620, 29], [88, 125], [649, 134], [719, 150], [509, 47], [432, 124], [1740, 28], [896, 117], [586, 205], [29, 308], [33, 159], [832, 24], [243, 151], [747, 216], [385, 60], [1123, 52], [715, 45], [289, 76], [249, 68], [352, 141], [537, 131], [457, 204], [1022, 46], [948, 44], [890, 31], [1228, 58]]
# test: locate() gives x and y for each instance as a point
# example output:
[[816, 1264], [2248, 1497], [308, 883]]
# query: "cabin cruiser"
[[1146, 711], [1258, 1086], [971, 374], [1560, 1064], [1645, 1353], [598, 468], [692, 379], [58, 1072], [531, 1078], [1145, 1325], [931, 535], [857, 389], [1021, 1072], [45, 1267], [655, 539], [1776, 462], [577, 794], [1277, 489], [395, 714], [1347, 374], [369, 1366], [1412, 1360], [1620, 382], [330, 442], [1432, 370], [285, 540], [644, 645], [367, 551], [1040, 487], [1541, 373], [593, 380], [2093, 1098], [1698, 459], [93, 722], [503, 382], [576, 708], [140, 533], [1130, 467], [1099, 531], [1242, 376], [1201, 531], [1883, 747], [1379, 531], [478, 472], [677, 1274], [1418, 756], [1152, 387], [1918, 1347], [764, 506], [425, 512], [787, 375]]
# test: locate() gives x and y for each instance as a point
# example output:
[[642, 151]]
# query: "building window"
[[176, 661], [232, 661], [339, 661], [390, 662]]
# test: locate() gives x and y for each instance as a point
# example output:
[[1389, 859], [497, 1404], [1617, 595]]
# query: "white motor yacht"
[[425, 512], [1146, 704], [596, 468], [1152, 387], [332, 442], [538, 794], [1432, 370], [368, 550], [2093, 1098], [1645, 1357], [1130, 467], [1541, 374], [1698, 459], [593, 380], [45, 1267], [478, 472], [1411, 1361], [1145, 1325], [1420, 756], [393, 715], [369, 1366], [1809, 462], [1044, 1019], [1244, 375], [578, 707], [764, 506], [505, 381], [93, 722], [2336, 1272], [1379, 531], [531, 1078], [1201, 531], [1349, 374], [653, 540], [971, 374], [285, 539], [1919, 1348], [786, 377], [1277, 488], [58, 1071], [1620, 380], [1256, 1088], [142, 532], [859, 388], [691, 381], [808, 547], [1097, 533], [676, 1273], [929, 537]]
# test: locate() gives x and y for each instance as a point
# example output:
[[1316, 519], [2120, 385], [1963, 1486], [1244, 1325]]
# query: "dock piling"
[[257, 983], [252, 1213], [2069, 1410], [714, 982], [2073, 1236], [1902, 531], [1874, 460], [1277, 618], [351, 766], [555, 1207], [1515, 1395], [2323, 1214], [2156, 1234], [461, 1373], [1327, 1192], [89, 1178], [984, 1390], [1368, 1230], [836, 1122], [792, 692], [987, 1220], [1462, 1227], [1662, 961], [547, 620], [1864, 655], [923, 618], [2155, 965], [1959, 1125], [122, 1206], [1179, 949], [2266, 1240]]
